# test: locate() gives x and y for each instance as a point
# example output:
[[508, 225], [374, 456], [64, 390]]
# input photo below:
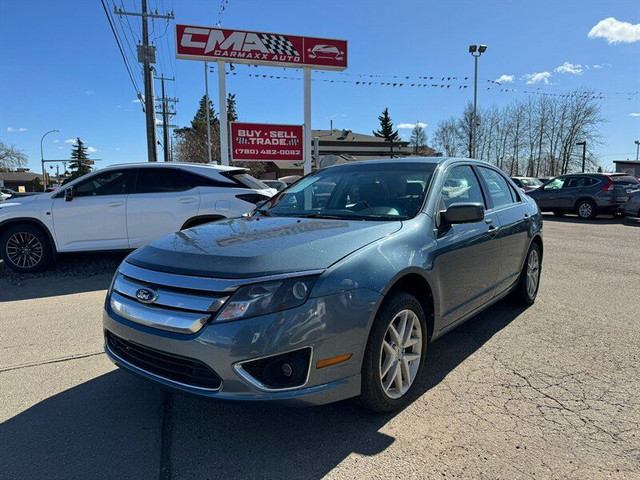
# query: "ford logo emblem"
[[146, 295]]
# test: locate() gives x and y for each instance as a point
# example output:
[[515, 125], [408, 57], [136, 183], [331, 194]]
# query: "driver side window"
[[113, 182], [460, 186]]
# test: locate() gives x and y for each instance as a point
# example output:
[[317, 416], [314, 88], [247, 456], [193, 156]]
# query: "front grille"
[[172, 367]]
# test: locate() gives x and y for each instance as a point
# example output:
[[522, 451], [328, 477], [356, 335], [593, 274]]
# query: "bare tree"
[[418, 139], [10, 157], [446, 137]]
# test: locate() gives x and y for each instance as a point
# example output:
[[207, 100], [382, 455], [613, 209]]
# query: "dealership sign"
[[239, 46], [266, 142]]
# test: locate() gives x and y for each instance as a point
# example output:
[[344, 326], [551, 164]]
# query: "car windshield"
[[385, 191], [530, 182]]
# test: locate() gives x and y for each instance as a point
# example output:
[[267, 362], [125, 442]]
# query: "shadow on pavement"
[[73, 273], [600, 220], [110, 427], [104, 428]]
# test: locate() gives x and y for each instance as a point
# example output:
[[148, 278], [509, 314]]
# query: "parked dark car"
[[526, 184], [331, 289], [585, 194], [632, 207]]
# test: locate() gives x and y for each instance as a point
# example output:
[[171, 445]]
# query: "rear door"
[[163, 199], [507, 205], [95, 219], [467, 258]]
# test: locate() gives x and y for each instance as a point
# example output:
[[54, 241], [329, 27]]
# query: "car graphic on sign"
[[325, 51]]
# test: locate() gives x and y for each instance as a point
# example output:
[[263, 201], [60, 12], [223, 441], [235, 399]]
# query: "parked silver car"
[[331, 289]]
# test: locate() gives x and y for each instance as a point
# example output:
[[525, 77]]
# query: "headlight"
[[268, 297]]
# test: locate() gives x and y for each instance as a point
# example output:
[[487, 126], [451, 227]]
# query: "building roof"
[[632, 162], [348, 136], [19, 176]]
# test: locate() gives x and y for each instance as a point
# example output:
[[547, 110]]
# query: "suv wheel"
[[395, 354], [527, 288], [25, 249], [586, 209]]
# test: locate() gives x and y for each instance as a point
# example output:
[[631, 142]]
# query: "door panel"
[[467, 257], [96, 217], [162, 201]]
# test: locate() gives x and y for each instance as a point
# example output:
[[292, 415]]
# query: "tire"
[[26, 249], [374, 396], [586, 210], [558, 214], [525, 293]]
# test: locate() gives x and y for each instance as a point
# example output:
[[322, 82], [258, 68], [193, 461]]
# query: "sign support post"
[[307, 121], [222, 99]]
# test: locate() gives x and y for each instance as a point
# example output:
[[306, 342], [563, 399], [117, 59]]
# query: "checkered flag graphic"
[[278, 44]]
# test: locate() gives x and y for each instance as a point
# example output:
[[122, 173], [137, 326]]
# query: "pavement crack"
[[46, 362]]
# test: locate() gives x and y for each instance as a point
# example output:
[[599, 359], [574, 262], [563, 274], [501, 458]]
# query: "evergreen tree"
[[232, 114], [386, 127], [79, 157], [418, 139], [199, 122]]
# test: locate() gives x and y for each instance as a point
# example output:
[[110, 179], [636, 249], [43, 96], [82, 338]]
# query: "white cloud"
[[91, 150], [537, 77], [70, 140], [411, 126], [615, 31], [89, 92], [598, 66], [634, 114], [137, 100], [505, 79], [56, 141], [158, 121], [572, 68], [16, 129]]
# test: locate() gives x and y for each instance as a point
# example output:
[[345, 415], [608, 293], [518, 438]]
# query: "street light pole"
[[637, 142], [584, 153], [44, 172], [476, 51]]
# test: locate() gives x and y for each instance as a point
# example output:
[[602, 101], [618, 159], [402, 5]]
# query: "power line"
[[124, 58]]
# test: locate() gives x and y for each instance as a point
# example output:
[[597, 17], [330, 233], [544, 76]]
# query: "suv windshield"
[[385, 191]]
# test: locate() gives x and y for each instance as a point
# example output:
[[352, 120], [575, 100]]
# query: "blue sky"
[[60, 67]]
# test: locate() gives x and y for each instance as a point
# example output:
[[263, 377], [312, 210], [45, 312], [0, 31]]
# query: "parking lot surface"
[[551, 391]]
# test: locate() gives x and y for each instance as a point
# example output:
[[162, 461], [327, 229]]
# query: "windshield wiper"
[[320, 215], [264, 212]]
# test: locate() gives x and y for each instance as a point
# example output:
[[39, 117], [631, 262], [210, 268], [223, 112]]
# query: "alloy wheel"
[[24, 250], [533, 273], [585, 210], [400, 354]]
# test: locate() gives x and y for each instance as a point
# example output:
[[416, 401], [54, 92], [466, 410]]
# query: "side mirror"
[[462, 213], [68, 194]]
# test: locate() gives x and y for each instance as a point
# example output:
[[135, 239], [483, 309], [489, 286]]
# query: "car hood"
[[256, 246], [17, 201]]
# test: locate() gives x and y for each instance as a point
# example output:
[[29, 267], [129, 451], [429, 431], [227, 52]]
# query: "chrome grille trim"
[[171, 298], [165, 319]]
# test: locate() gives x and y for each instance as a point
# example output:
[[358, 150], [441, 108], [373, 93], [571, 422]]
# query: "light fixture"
[[473, 48]]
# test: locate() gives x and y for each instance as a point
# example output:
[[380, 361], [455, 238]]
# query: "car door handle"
[[116, 204], [488, 221], [187, 200]]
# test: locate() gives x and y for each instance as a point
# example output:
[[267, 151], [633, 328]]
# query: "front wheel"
[[394, 357], [26, 249]]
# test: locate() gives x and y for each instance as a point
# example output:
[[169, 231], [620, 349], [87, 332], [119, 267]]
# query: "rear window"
[[247, 180], [625, 179]]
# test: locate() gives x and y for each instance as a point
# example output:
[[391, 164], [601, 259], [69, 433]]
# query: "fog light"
[[287, 370]]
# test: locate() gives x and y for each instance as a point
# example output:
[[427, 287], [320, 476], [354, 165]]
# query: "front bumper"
[[333, 325]]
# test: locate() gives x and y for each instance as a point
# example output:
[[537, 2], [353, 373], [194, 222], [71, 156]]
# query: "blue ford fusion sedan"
[[332, 289]]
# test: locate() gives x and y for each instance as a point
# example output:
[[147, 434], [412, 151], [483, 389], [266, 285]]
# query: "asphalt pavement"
[[551, 391]]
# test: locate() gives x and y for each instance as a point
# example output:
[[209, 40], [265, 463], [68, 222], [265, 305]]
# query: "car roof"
[[430, 160], [191, 166]]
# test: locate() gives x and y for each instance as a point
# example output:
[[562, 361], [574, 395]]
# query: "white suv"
[[122, 207]]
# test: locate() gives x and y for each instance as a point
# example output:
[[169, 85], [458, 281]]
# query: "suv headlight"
[[267, 297]]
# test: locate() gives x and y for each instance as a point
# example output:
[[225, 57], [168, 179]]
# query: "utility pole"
[[476, 51], [147, 56], [637, 142], [165, 112], [206, 94], [584, 153], [42, 161]]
